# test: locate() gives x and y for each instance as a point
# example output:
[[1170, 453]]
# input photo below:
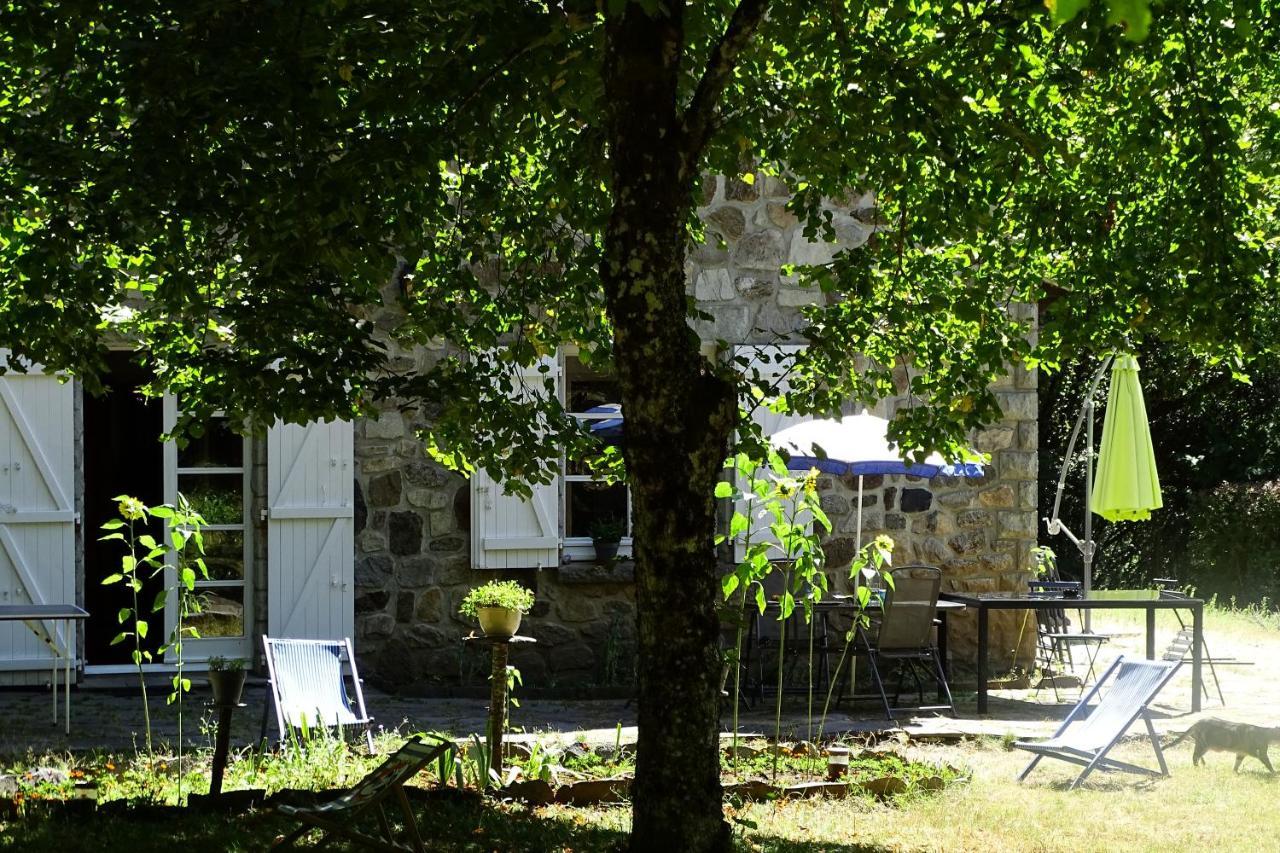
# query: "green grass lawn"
[[1198, 808]]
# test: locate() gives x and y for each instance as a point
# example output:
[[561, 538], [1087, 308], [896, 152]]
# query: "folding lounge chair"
[[339, 817], [1086, 740], [906, 637], [307, 686]]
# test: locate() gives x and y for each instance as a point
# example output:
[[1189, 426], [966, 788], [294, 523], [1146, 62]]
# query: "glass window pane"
[[218, 447], [590, 503], [224, 554], [219, 498], [586, 388], [222, 613]]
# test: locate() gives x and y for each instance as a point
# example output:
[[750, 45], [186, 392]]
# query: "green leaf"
[[141, 627], [146, 540], [724, 489], [125, 614], [188, 578], [729, 583], [110, 579], [113, 524], [118, 639], [136, 656]]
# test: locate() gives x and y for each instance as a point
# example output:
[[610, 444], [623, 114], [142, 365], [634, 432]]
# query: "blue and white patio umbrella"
[[858, 444], [606, 427]]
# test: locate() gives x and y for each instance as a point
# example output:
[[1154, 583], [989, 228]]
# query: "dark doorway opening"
[[122, 456]]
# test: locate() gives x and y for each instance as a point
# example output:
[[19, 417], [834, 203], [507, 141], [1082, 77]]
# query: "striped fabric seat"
[[341, 817], [308, 689], [1086, 740]]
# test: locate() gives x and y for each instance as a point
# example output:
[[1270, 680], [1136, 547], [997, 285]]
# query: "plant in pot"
[[606, 534], [226, 678], [498, 605]]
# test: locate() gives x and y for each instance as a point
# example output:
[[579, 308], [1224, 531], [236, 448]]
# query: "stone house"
[[349, 529]]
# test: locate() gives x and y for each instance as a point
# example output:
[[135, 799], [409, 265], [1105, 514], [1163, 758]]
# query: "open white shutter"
[[311, 530], [37, 516], [771, 362], [508, 531]]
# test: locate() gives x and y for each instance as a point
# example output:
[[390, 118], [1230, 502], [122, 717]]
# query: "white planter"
[[498, 621]]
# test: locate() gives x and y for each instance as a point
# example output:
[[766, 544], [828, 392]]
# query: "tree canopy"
[[256, 193]]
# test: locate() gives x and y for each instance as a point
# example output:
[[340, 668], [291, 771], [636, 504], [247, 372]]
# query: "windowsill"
[[622, 571]]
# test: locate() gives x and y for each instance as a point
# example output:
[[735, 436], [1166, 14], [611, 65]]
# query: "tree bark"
[[680, 415]]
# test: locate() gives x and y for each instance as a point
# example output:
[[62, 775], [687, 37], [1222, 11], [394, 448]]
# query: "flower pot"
[[227, 686], [837, 762], [498, 621], [605, 551]]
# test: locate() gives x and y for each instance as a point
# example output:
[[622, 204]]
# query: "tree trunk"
[[679, 419]]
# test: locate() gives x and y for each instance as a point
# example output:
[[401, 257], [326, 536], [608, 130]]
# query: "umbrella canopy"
[[1126, 486], [607, 427], [860, 445]]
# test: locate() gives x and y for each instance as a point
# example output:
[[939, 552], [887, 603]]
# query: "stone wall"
[[412, 519]]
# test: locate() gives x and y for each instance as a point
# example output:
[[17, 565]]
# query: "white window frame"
[[581, 548], [197, 650]]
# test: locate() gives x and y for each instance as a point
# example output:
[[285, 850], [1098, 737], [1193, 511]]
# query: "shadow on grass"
[[466, 824]]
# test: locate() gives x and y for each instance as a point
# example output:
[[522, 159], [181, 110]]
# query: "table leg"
[[1197, 649], [942, 649], [66, 685], [1151, 633], [982, 660]]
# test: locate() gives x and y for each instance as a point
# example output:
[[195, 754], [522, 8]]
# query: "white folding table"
[[38, 617]]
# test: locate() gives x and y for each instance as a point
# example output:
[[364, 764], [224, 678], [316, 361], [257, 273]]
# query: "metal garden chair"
[[906, 637], [1087, 735], [1056, 640], [339, 817], [308, 690]]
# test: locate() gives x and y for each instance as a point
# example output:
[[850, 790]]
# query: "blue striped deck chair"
[[340, 817], [308, 689], [1086, 736]]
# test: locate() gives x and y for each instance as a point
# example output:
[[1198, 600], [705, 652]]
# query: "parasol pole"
[[1086, 547]]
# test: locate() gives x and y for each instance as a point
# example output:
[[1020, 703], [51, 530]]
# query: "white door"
[[37, 517], [212, 472], [311, 530]]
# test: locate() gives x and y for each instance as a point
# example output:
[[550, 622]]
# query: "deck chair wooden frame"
[[1134, 684], [334, 707], [339, 817]]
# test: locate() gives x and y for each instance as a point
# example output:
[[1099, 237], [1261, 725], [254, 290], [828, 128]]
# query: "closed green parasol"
[[1126, 486]]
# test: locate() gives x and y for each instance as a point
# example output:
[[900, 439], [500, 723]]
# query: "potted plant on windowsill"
[[226, 678], [606, 534], [498, 605]]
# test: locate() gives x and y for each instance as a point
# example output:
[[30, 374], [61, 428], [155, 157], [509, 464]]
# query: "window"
[[210, 471], [587, 501]]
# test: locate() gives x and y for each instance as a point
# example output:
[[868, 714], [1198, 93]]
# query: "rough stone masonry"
[[412, 520]]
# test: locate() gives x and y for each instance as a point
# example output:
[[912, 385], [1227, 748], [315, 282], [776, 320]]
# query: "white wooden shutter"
[[508, 531], [311, 530], [37, 514], [764, 362]]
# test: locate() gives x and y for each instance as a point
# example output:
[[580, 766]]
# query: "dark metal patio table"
[[41, 620], [984, 602]]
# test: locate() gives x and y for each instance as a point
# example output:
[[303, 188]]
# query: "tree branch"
[[698, 116]]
